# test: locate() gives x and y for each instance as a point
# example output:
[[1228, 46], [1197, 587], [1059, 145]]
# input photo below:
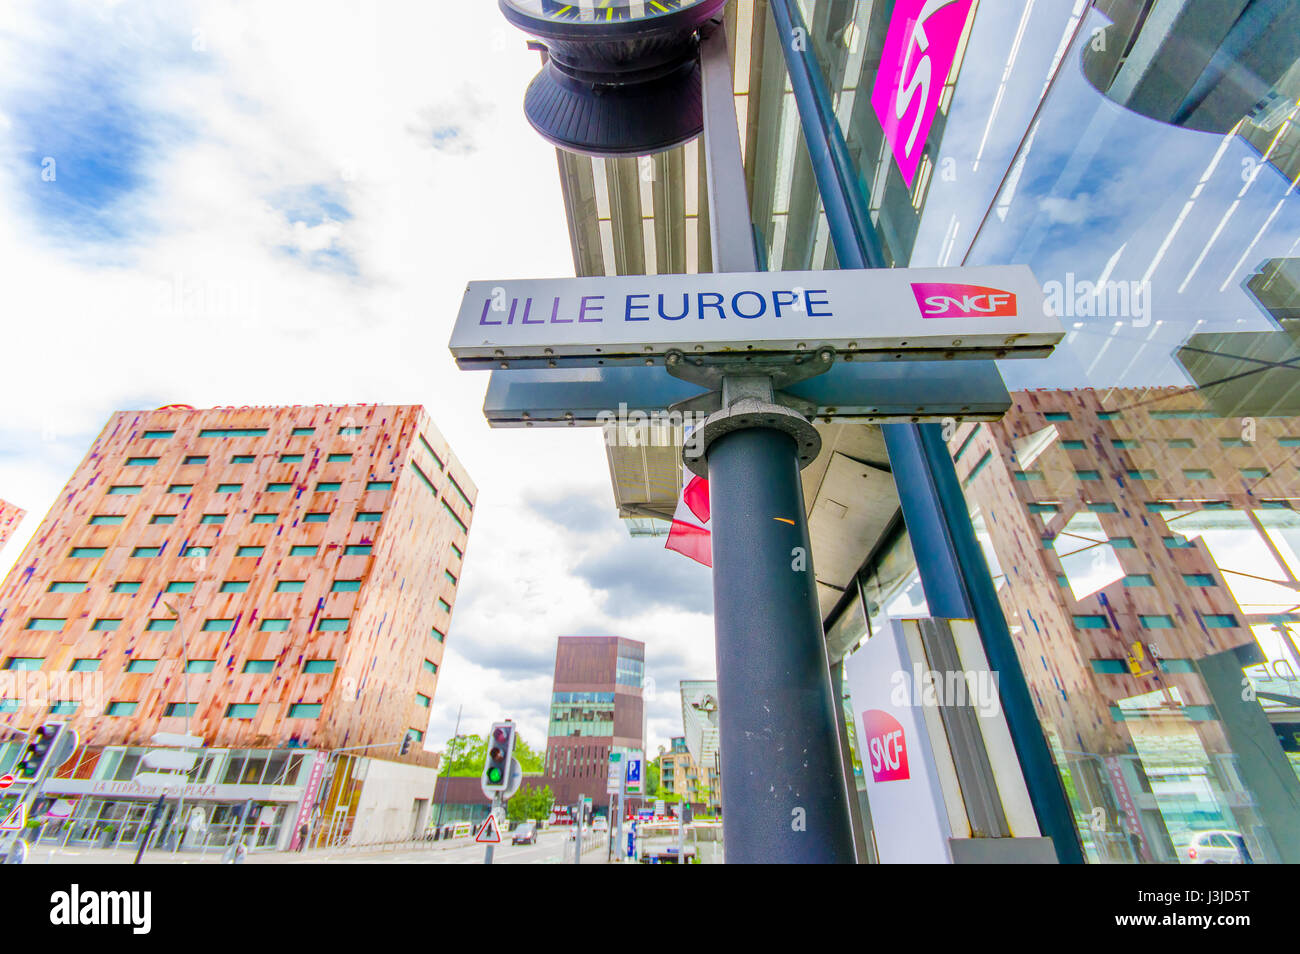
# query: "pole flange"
[[744, 413]]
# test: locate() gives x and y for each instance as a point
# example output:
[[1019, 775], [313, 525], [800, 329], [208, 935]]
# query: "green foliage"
[[530, 803], [464, 756], [652, 779]]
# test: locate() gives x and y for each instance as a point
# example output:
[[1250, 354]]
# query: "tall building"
[[596, 709], [1147, 553], [279, 581], [10, 517]]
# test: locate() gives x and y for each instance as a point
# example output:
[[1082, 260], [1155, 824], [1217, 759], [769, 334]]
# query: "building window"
[[106, 625], [1198, 579], [424, 478], [465, 529], [1087, 475], [460, 554], [416, 734], [289, 586], [122, 708], [163, 519], [218, 625], [259, 666], [1126, 444], [1198, 473], [263, 518], [106, 520], [234, 586], [24, 663], [229, 488], [250, 551], [463, 496], [67, 588], [157, 435], [439, 635], [85, 552], [274, 626], [1219, 620], [146, 552], [46, 624], [302, 550], [449, 575], [1143, 475], [305, 710], [242, 459], [1157, 622], [379, 485], [213, 518], [346, 586], [291, 458], [422, 700], [432, 453], [302, 431], [431, 666], [180, 488], [160, 625], [278, 488], [1122, 543], [1178, 543], [1254, 473], [318, 667], [196, 459], [241, 710], [196, 551], [200, 665], [1103, 508], [185, 709], [1091, 622], [351, 431], [233, 432], [444, 605], [357, 549], [1139, 579], [85, 665], [368, 516], [316, 518], [180, 586], [1180, 443], [142, 665], [338, 458], [332, 625], [328, 486], [124, 490]]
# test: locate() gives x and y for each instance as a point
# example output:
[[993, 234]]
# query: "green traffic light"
[[494, 775]]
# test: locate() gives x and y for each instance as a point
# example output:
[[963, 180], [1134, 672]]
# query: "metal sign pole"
[[784, 799], [954, 575]]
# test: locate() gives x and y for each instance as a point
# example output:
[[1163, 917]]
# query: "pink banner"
[[308, 799], [914, 64]]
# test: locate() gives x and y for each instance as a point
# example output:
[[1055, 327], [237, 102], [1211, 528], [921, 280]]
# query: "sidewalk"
[[52, 854]]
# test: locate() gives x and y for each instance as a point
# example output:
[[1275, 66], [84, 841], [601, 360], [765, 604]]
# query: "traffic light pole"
[[153, 820], [487, 848]]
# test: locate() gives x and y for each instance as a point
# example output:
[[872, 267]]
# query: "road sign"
[[489, 833], [614, 775], [6, 781], [17, 819], [870, 390], [169, 759], [893, 313], [634, 769]]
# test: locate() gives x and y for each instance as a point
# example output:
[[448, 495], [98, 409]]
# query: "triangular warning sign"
[[489, 833], [17, 819]]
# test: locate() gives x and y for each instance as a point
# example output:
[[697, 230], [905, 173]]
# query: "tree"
[[464, 756], [530, 803], [652, 779]]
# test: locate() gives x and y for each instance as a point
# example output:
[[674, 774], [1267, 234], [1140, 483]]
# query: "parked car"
[[525, 834], [600, 823], [1220, 846]]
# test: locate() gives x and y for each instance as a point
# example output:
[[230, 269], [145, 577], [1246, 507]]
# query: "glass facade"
[[1137, 504], [582, 713]]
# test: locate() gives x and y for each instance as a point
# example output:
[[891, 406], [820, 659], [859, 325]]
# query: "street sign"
[[614, 775], [169, 759], [6, 781], [634, 768], [489, 833], [883, 314], [17, 819], [640, 396]]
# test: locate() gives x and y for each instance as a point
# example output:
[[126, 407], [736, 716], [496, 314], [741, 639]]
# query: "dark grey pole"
[[784, 795], [153, 820]]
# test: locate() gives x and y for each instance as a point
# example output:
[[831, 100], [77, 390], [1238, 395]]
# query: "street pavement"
[[548, 850]]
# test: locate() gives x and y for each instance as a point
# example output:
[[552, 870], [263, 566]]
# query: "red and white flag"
[[690, 533]]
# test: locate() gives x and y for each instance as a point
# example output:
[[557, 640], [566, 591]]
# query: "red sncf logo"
[[947, 300], [886, 746]]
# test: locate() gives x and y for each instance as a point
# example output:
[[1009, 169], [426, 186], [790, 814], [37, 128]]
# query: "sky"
[[230, 203]]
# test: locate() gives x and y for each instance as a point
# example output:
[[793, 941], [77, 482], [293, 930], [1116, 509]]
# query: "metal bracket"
[[782, 372]]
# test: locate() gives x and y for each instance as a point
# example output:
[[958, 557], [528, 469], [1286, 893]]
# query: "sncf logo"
[[886, 746], [946, 300]]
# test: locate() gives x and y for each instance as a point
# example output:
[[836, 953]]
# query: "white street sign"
[[874, 313], [614, 776], [177, 739], [169, 759]]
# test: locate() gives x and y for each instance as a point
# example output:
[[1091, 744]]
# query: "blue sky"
[[262, 203]]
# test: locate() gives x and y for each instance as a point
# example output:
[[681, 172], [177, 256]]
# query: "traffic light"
[[688, 813], [406, 743], [500, 752], [37, 753]]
